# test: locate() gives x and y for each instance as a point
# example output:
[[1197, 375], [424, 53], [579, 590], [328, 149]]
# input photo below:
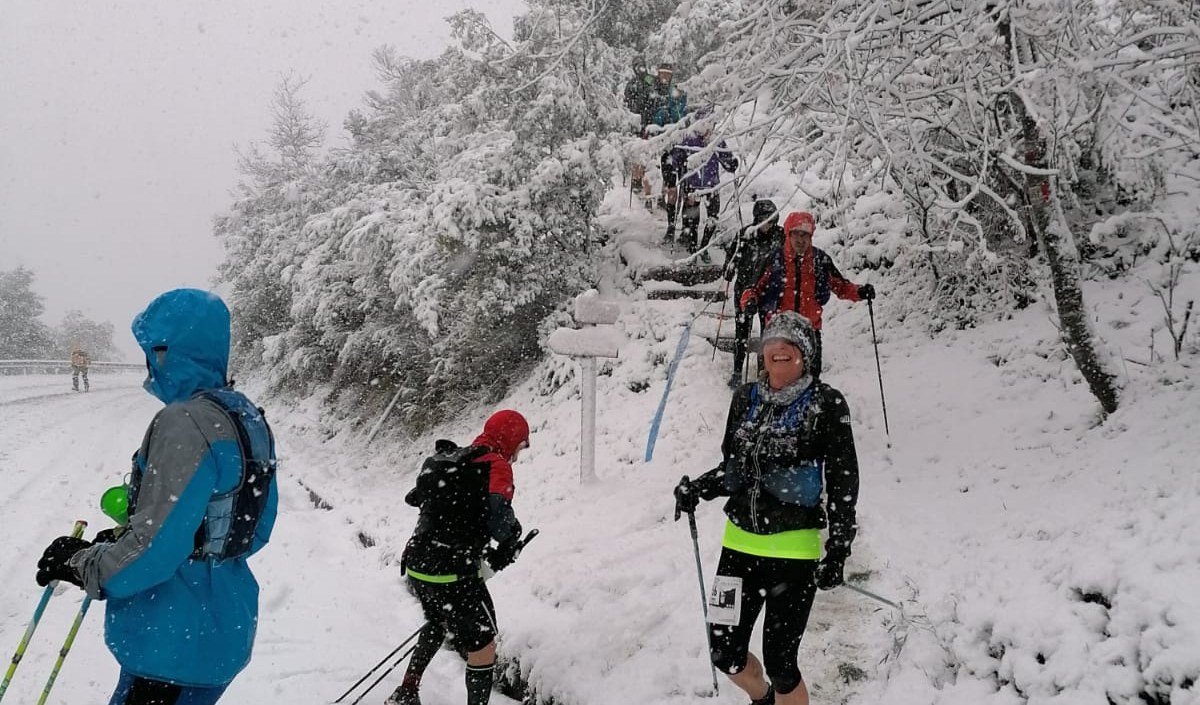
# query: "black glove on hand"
[[503, 555], [53, 565], [829, 571], [866, 292], [686, 497], [729, 272], [108, 535]]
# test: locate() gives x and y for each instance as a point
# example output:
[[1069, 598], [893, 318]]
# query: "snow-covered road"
[[330, 609]]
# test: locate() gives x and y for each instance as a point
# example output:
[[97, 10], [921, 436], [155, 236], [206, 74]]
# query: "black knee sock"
[[479, 684], [427, 645]]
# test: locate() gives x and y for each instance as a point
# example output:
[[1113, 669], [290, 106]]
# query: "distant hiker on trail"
[[800, 277], [787, 444], [669, 105], [700, 182], [639, 99], [746, 257], [79, 366], [182, 601], [668, 102], [465, 496]]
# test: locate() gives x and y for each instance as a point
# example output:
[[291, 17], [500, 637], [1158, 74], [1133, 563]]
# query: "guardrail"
[[51, 367]]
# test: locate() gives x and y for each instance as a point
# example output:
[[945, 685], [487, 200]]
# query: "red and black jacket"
[[464, 496], [801, 283]]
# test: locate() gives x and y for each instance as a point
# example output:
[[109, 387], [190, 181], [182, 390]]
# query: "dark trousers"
[[135, 690], [463, 609], [711, 203], [743, 327], [786, 587]]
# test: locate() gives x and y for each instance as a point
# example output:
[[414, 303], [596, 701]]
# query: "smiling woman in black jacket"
[[789, 470]]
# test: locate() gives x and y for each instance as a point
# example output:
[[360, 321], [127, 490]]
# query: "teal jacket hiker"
[[182, 600]]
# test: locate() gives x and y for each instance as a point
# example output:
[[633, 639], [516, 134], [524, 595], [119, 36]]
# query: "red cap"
[[797, 220]]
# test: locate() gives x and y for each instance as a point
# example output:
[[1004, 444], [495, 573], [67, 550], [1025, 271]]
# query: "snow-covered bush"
[[418, 261]]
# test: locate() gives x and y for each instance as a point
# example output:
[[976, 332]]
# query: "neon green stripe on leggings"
[[804, 544], [425, 578]]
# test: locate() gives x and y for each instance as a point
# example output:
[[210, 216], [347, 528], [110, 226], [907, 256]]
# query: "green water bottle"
[[115, 504]]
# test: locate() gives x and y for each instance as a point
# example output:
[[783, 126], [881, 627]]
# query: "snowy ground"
[[1041, 557]]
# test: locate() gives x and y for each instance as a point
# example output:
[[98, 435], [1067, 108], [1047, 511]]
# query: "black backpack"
[[452, 494]]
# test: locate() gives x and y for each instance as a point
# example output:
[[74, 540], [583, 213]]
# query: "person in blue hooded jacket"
[[182, 603]]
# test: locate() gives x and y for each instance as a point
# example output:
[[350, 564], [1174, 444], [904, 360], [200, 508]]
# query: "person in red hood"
[[801, 278], [465, 498]]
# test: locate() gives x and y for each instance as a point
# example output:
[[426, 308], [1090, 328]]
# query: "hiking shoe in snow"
[[404, 696]]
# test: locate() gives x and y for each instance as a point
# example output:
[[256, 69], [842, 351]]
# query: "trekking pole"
[[383, 675], [879, 371], [703, 593], [380, 664], [737, 207], [66, 648], [721, 318], [33, 623], [873, 596]]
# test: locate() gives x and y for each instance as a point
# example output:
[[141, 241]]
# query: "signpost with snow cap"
[[596, 338]]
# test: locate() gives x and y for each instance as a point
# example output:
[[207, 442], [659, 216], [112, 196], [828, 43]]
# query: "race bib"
[[725, 601]]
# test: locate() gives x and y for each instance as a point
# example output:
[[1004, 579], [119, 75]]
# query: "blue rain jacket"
[[172, 614]]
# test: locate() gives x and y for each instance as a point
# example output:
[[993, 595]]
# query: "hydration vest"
[[783, 474], [227, 530]]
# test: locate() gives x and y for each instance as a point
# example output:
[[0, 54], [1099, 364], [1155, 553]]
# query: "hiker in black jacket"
[[746, 258], [789, 470], [465, 497]]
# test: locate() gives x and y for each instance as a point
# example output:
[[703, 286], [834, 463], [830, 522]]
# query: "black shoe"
[[404, 696]]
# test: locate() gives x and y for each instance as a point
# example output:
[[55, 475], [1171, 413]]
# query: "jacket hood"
[[765, 209], [503, 432], [797, 218], [185, 336]]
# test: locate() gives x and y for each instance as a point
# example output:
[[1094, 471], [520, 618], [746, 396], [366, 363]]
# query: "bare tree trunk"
[[1052, 230]]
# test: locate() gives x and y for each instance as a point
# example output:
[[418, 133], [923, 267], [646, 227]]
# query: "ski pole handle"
[[47, 593], [528, 537]]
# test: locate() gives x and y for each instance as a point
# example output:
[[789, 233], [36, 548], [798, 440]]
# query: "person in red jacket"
[[465, 498], [801, 278]]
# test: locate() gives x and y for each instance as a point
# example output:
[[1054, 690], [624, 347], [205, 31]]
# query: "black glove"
[[502, 556], [108, 535], [687, 498], [866, 292], [53, 565], [729, 272], [829, 571]]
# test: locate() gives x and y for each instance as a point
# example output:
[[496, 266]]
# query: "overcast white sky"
[[118, 121]]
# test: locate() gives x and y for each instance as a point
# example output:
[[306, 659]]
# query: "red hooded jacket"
[[503, 432], [800, 282]]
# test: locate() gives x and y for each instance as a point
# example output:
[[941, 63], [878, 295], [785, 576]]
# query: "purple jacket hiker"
[[708, 175]]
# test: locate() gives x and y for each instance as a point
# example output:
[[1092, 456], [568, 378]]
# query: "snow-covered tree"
[[77, 330], [22, 334], [420, 259], [1000, 125]]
